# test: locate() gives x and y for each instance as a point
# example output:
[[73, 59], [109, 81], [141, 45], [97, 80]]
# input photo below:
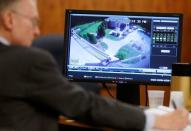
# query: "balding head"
[[6, 4], [19, 21]]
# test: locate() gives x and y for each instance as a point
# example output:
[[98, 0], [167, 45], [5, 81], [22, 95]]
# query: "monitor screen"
[[121, 47]]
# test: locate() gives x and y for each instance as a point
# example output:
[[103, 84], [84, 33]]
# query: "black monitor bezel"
[[66, 40]]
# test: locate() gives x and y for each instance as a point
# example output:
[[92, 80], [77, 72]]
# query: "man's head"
[[19, 21]]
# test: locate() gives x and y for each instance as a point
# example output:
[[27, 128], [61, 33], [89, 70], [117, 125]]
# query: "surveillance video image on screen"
[[110, 41]]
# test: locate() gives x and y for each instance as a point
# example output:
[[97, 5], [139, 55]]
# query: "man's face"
[[25, 23]]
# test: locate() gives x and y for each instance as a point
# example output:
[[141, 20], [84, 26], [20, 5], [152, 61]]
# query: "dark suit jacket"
[[33, 93]]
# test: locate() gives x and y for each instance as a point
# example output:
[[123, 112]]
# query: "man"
[[33, 92]]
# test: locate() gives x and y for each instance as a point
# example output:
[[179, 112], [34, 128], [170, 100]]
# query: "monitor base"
[[129, 93]]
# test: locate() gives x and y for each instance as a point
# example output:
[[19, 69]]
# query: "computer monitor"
[[121, 47]]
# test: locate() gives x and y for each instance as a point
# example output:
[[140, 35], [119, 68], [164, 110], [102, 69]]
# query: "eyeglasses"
[[34, 21]]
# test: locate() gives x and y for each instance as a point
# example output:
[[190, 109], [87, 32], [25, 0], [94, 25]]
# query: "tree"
[[92, 38], [101, 30]]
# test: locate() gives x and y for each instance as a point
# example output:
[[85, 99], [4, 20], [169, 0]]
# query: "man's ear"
[[7, 19]]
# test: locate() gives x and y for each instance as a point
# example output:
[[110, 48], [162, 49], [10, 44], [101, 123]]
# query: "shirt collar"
[[4, 41]]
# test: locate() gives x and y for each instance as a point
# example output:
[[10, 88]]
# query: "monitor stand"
[[129, 93]]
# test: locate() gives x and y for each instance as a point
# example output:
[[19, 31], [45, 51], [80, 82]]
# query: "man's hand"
[[175, 120]]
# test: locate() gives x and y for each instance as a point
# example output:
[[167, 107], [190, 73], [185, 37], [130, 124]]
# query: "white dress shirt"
[[150, 120], [4, 41]]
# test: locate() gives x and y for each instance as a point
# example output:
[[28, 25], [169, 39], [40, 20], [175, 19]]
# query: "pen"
[[174, 104]]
